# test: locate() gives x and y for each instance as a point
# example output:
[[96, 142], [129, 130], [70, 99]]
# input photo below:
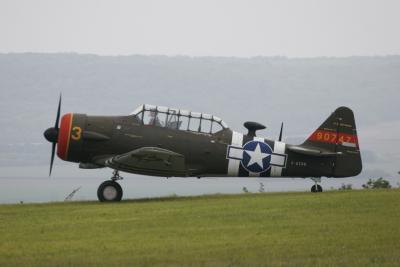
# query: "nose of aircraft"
[[63, 134], [51, 134]]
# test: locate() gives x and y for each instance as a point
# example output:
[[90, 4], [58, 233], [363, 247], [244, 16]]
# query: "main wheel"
[[316, 188], [109, 191]]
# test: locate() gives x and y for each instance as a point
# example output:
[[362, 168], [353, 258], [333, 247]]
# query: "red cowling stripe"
[[64, 136]]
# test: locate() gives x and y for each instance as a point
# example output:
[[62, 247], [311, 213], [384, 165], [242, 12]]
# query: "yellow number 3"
[[76, 133]]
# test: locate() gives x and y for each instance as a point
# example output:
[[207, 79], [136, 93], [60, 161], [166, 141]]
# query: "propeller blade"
[[53, 149], [58, 113], [51, 135], [280, 134]]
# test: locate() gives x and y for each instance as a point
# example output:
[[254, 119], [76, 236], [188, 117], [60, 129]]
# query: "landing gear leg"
[[110, 191], [316, 188], [116, 176]]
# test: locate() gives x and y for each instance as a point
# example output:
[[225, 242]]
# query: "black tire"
[[313, 189], [316, 188], [109, 191], [319, 188]]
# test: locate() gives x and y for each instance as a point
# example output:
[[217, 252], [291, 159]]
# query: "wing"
[[150, 161]]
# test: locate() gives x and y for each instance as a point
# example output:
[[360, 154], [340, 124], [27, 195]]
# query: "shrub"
[[375, 184], [346, 187]]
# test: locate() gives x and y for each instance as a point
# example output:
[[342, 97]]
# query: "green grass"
[[353, 228]]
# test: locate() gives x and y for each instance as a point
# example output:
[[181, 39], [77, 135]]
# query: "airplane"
[[171, 142]]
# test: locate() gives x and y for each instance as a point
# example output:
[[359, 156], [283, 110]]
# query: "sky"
[[230, 28]]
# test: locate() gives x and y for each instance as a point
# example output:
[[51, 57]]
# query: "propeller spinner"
[[51, 135]]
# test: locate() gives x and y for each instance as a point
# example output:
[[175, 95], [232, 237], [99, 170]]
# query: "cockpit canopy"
[[179, 119]]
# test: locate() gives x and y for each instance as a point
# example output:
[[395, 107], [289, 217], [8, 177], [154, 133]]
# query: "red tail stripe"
[[333, 137]]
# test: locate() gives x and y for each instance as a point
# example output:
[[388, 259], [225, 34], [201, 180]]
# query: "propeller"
[[280, 133], [51, 135]]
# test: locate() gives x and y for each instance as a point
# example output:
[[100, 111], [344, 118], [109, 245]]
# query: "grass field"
[[352, 228]]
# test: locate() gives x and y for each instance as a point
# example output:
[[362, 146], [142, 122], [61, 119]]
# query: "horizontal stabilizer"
[[312, 152]]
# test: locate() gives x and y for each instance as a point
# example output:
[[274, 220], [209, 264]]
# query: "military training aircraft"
[[170, 142]]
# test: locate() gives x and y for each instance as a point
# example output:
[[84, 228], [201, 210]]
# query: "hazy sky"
[[303, 28]]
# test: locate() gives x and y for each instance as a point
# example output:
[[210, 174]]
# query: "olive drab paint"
[[168, 142]]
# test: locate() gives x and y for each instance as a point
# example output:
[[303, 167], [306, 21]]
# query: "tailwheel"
[[316, 188], [109, 191]]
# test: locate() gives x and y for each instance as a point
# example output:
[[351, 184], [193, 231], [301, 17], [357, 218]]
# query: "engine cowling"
[[70, 137]]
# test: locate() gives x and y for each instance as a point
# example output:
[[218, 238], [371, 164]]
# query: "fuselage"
[[169, 142], [89, 140]]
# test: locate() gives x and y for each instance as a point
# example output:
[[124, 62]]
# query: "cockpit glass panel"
[[150, 118], [183, 123], [161, 119], [138, 115], [137, 110], [195, 114], [162, 109], [184, 112], [172, 118], [217, 119], [194, 124], [216, 127], [173, 111], [224, 124], [150, 107], [178, 119], [205, 126], [206, 116]]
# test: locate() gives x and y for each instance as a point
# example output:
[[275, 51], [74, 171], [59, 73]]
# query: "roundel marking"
[[256, 156]]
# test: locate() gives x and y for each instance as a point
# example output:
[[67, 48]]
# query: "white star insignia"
[[257, 156]]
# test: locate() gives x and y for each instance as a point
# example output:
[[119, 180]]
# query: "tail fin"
[[339, 134]]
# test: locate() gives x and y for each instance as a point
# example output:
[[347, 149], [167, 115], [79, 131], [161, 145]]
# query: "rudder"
[[339, 134]]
